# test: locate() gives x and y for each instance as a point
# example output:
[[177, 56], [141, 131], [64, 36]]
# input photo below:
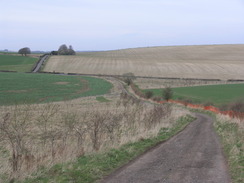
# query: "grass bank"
[[17, 88], [17, 63], [91, 168], [231, 132]]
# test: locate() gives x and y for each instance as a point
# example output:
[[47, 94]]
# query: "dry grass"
[[210, 62], [45, 134], [231, 132]]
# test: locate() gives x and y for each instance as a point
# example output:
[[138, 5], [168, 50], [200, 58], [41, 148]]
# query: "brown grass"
[[62, 131]]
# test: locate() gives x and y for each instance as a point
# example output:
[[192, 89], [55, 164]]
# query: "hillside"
[[208, 61]]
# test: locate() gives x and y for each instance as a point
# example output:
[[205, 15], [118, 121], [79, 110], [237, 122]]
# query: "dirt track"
[[193, 156]]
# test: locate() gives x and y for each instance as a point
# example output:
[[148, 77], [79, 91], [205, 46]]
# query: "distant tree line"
[[63, 50]]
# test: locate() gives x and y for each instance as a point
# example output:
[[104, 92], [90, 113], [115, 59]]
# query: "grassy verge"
[[91, 168], [231, 133], [232, 138]]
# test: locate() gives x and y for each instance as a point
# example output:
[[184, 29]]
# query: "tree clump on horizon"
[[64, 50], [24, 51]]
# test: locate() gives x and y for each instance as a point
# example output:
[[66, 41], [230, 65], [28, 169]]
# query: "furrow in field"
[[210, 62]]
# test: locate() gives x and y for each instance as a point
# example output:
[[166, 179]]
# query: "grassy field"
[[209, 62], [17, 63], [37, 88], [217, 94]]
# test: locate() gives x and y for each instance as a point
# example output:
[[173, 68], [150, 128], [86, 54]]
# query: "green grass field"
[[216, 94], [16, 63], [39, 88]]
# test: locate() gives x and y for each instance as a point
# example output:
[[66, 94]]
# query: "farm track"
[[192, 156], [39, 63]]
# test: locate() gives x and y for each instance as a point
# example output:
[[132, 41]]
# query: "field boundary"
[[230, 113], [145, 77]]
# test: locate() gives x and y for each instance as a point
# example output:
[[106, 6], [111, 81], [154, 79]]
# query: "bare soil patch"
[[61, 83]]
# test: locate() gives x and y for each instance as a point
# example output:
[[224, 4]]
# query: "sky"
[[117, 24]]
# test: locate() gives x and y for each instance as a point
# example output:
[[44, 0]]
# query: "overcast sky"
[[116, 24]]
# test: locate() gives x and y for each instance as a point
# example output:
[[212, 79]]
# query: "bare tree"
[[97, 127], [14, 128]]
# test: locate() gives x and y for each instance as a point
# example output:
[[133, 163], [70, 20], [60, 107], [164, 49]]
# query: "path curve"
[[192, 156]]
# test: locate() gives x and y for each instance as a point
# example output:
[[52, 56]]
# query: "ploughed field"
[[207, 62]]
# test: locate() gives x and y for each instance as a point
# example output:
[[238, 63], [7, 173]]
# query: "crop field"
[[16, 63], [208, 62], [217, 94], [37, 88]]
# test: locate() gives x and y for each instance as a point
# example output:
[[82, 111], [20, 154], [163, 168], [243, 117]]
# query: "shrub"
[[148, 94], [167, 93], [237, 106], [156, 98], [128, 78]]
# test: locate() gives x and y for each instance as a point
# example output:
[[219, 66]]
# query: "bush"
[[156, 98], [128, 78], [148, 94], [208, 103], [237, 106], [167, 93]]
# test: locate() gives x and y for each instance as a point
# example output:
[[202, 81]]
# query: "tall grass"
[[90, 168], [231, 132], [36, 136]]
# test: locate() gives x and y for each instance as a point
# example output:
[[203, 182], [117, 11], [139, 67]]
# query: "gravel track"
[[192, 156]]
